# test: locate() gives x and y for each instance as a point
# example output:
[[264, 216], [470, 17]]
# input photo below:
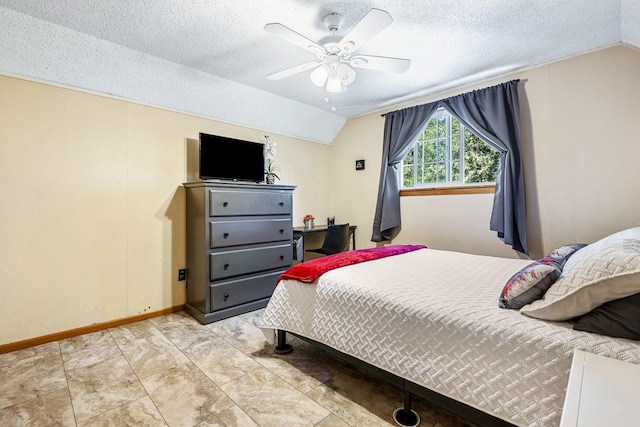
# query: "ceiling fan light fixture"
[[334, 69], [347, 74], [320, 75], [334, 85]]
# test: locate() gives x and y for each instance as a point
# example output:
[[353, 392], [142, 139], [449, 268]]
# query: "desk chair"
[[335, 240]]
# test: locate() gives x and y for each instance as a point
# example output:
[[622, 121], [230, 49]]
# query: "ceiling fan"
[[335, 56]]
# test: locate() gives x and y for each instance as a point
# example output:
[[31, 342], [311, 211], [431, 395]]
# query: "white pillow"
[[606, 270]]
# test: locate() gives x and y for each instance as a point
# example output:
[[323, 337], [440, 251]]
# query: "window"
[[448, 153]]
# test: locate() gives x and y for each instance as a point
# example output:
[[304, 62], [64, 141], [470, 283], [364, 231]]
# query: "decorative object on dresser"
[[238, 243], [270, 173], [270, 169]]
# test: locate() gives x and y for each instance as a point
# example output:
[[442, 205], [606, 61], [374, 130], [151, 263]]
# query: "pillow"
[[619, 318], [603, 271], [530, 283], [527, 285], [558, 257]]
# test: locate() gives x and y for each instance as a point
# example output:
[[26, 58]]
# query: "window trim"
[[449, 190]]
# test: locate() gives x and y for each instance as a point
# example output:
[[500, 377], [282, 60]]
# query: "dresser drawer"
[[228, 203], [244, 261], [240, 291], [246, 232]]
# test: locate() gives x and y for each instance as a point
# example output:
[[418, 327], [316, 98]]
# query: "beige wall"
[[92, 208], [581, 145]]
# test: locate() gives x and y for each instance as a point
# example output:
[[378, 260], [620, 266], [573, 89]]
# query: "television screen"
[[231, 159]]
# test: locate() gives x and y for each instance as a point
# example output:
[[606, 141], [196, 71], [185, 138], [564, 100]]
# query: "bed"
[[431, 317]]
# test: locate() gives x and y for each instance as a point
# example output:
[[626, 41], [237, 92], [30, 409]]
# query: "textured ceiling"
[[210, 57]]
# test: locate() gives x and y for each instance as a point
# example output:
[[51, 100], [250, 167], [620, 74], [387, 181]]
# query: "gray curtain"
[[401, 128], [494, 115]]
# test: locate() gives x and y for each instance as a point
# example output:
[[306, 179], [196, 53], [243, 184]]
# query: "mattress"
[[432, 317]]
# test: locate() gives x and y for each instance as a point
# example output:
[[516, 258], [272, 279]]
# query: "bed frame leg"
[[283, 347], [406, 416]]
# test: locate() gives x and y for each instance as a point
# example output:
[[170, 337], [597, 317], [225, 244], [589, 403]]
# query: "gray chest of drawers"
[[238, 243]]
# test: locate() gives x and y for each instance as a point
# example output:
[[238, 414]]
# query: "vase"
[[271, 179], [308, 224]]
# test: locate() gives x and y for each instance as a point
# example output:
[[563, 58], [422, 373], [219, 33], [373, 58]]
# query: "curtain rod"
[[461, 94]]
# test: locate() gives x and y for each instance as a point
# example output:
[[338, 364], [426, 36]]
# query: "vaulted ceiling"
[[211, 57]]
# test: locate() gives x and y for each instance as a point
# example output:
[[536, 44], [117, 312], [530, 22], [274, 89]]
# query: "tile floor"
[[171, 370]]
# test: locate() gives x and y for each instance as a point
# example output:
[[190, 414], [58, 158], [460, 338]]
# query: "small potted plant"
[[270, 173], [269, 156], [308, 221]]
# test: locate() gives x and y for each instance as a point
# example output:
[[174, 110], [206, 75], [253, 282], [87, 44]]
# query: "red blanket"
[[309, 271]]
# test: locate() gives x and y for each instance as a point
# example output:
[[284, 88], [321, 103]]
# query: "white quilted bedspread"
[[432, 317]]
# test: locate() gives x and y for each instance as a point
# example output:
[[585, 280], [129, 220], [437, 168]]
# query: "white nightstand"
[[601, 392]]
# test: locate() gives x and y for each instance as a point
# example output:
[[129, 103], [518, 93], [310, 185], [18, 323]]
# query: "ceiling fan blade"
[[371, 24], [293, 70], [291, 36], [380, 63]]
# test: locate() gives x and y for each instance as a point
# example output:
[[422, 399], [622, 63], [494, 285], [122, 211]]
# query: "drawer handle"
[[225, 235], [225, 296], [281, 257], [226, 266], [225, 204], [281, 231], [281, 204]]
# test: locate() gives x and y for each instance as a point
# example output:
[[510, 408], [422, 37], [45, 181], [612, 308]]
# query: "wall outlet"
[[182, 275]]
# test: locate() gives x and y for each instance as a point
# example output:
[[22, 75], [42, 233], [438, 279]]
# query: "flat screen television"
[[231, 159]]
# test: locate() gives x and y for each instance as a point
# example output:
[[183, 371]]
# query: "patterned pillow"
[[527, 285], [531, 283], [558, 257], [603, 271]]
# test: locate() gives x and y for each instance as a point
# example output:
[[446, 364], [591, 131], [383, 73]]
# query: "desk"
[[300, 232]]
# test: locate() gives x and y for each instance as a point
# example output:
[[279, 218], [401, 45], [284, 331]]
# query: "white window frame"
[[441, 111]]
